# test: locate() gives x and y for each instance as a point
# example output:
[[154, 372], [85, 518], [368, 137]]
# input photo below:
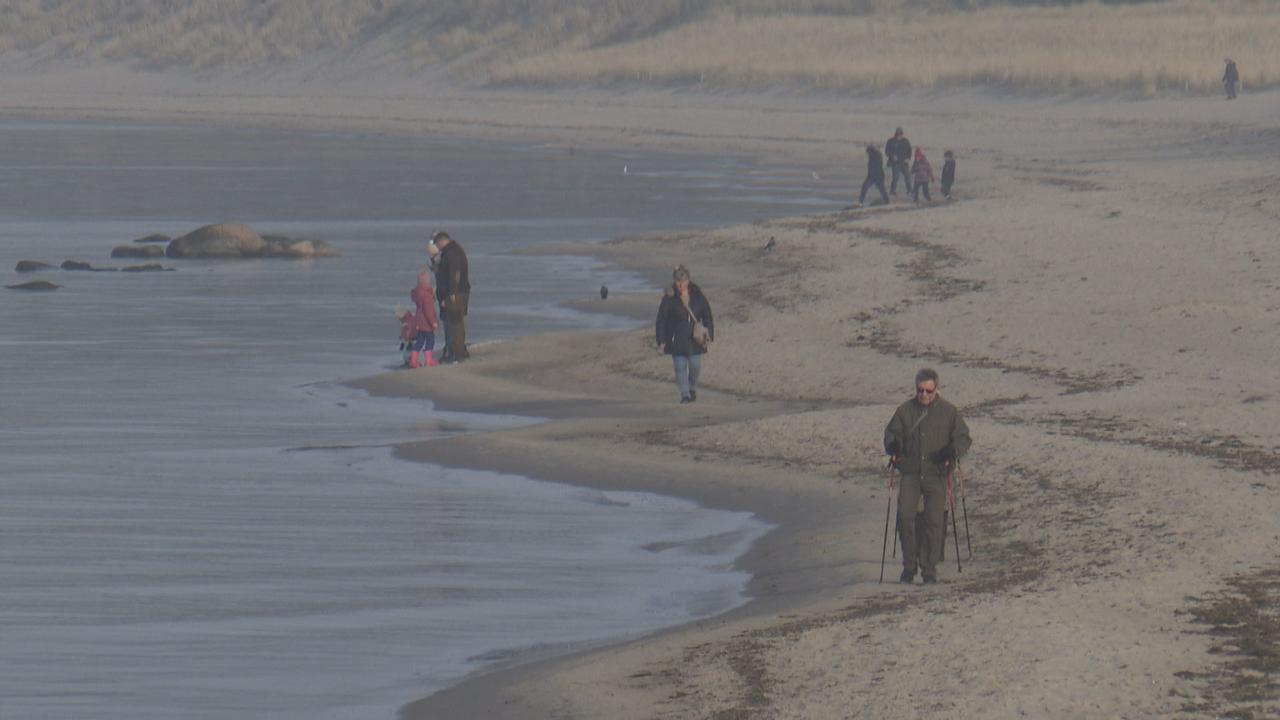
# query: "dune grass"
[[1081, 48], [838, 44]]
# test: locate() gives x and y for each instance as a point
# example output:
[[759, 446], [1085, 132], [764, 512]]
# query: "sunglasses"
[[923, 391]]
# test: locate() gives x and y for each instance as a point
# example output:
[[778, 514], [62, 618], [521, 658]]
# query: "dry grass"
[[1081, 48], [844, 44]]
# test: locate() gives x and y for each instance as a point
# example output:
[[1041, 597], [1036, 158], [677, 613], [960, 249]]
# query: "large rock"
[[137, 251], [223, 240], [34, 286], [155, 238], [25, 266]]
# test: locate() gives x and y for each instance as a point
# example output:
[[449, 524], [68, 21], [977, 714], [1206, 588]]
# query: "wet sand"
[[1099, 299]]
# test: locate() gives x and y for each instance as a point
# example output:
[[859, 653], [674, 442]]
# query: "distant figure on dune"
[[921, 176], [684, 329], [898, 153], [875, 176], [1231, 79], [948, 173]]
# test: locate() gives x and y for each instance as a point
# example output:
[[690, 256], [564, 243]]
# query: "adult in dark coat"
[[898, 154], [875, 176], [453, 289], [681, 305], [1231, 79], [924, 439]]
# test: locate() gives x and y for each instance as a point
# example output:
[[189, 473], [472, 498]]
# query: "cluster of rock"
[[234, 240], [221, 240], [28, 266]]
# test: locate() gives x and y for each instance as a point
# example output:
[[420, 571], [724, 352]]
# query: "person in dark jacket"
[[924, 439], [453, 290], [948, 173], [898, 153], [1231, 79], [875, 176], [682, 305]]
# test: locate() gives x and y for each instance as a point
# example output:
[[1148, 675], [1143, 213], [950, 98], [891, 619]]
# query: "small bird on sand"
[[604, 292]]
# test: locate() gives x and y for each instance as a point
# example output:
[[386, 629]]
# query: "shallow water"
[[168, 550]]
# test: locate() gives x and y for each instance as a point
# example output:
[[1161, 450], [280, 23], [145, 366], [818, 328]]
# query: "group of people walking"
[[445, 285], [912, 168]]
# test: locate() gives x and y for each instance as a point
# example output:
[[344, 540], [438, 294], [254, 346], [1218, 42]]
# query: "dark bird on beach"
[[769, 246], [604, 292]]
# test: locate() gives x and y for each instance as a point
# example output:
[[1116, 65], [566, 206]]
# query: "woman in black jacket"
[[684, 329]]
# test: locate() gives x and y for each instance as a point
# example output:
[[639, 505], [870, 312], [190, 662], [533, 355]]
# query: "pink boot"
[[429, 359], [413, 360]]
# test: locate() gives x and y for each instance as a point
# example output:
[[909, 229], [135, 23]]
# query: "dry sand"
[[1100, 299]]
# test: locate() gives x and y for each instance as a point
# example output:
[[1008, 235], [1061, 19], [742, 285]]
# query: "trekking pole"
[[888, 507], [955, 531], [897, 528], [968, 539]]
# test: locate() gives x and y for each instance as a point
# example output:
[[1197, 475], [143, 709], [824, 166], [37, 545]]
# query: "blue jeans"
[[687, 369], [900, 170]]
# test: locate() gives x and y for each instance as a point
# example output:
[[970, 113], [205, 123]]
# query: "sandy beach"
[[1099, 298]]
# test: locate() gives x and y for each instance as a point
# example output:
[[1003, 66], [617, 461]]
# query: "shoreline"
[[789, 566], [1099, 301]]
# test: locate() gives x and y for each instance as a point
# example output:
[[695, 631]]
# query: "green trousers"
[[934, 490]]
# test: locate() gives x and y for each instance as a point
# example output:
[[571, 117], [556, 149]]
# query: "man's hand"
[[945, 456], [893, 447]]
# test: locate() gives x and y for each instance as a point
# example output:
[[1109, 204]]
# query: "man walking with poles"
[[924, 439]]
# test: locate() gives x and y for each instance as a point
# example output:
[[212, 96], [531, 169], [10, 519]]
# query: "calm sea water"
[[169, 549]]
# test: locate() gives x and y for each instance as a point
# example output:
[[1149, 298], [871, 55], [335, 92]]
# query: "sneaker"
[[930, 579], [684, 400], [693, 396], [907, 576]]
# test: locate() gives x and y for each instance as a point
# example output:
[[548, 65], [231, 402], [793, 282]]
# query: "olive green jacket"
[[922, 431]]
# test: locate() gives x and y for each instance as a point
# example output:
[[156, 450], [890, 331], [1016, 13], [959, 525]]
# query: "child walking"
[[921, 176], [424, 340], [948, 173], [408, 331]]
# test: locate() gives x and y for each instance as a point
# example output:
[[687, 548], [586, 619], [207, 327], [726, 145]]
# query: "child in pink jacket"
[[424, 340], [921, 176]]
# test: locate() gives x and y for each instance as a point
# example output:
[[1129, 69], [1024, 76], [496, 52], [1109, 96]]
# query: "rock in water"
[[78, 265], [222, 240], [281, 246], [34, 286], [25, 266], [137, 251], [152, 267], [154, 238]]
